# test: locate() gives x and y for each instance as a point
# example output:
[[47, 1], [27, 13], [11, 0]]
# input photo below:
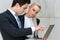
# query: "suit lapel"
[[11, 18]]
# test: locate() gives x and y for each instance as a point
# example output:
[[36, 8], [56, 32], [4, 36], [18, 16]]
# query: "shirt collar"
[[28, 18], [12, 12]]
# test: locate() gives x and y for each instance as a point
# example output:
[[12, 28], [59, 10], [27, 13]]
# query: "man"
[[8, 21], [10, 25], [29, 20]]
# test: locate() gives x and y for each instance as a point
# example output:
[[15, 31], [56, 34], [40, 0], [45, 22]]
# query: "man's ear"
[[17, 5]]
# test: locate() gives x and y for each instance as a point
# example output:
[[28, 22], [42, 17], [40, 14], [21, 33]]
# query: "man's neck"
[[13, 9]]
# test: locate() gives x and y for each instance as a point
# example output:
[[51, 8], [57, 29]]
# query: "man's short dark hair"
[[21, 2]]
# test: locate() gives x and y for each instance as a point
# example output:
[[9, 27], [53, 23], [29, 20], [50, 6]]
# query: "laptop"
[[48, 31], [46, 34]]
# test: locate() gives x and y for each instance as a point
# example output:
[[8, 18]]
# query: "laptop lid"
[[48, 31]]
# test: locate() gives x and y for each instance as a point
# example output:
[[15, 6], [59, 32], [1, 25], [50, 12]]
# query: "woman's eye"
[[33, 9]]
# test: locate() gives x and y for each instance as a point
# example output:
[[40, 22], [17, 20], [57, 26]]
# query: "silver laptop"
[[48, 31], [46, 34]]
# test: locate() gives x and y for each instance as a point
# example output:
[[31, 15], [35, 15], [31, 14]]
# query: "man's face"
[[21, 9], [33, 10]]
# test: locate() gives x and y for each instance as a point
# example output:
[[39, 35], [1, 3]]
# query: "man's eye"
[[24, 8]]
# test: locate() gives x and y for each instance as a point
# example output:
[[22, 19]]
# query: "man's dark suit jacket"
[[9, 27]]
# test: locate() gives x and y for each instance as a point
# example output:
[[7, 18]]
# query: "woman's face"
[[33, 10]]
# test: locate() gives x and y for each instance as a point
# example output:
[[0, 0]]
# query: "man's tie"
[[18, 21]]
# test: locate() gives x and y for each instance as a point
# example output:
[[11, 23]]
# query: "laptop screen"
[[48, 31]]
